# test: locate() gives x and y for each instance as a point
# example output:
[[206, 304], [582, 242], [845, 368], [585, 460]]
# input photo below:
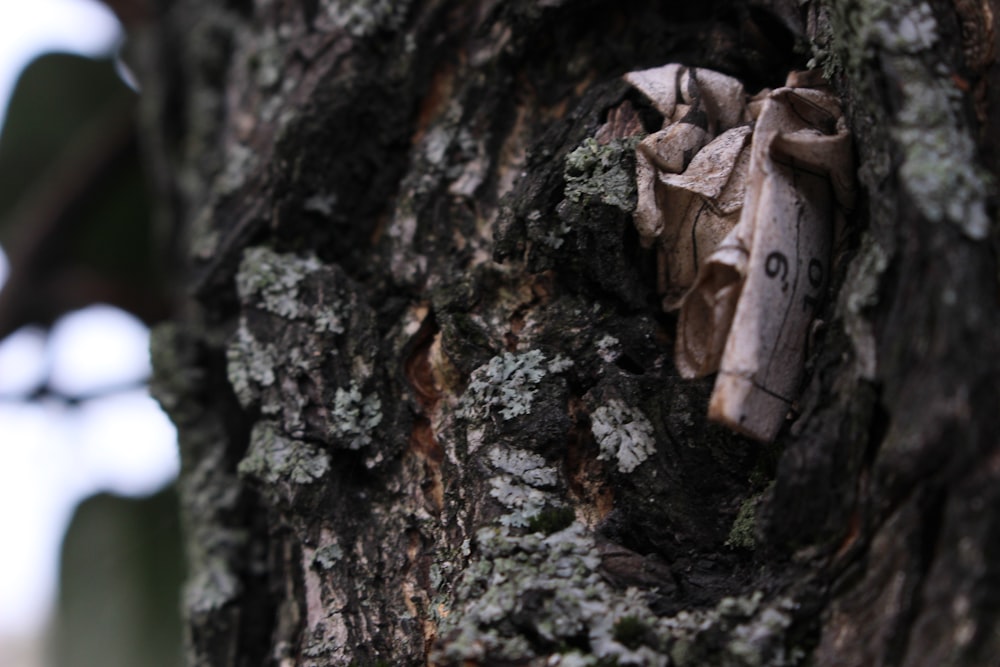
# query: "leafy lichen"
[[526, 466], [549, 582], [623, 434], [524, 501], [354, 416], [755, 634], [272, 280], [759, 641], [508, 383], [521, 485], [540, 599], [273, 458], [250, 365], [939, 169]]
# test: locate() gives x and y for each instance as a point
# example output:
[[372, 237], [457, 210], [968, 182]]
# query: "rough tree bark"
[[416, 294]]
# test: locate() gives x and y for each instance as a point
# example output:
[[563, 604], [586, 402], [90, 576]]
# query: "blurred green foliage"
[[75, 215], [120, 579]]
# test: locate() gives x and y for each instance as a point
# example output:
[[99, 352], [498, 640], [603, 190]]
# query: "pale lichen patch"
[[329, 320], [623, 434], [273, 279], [273, 458], [323, 204], [759, 641], [267, 60], [521, 486], [354, 416], [213, 586], [939, 169], [327, 557], [249, 365], [912, 32], [524, 501], [508, 383], [608, 348], [240, 161], [526, 466]]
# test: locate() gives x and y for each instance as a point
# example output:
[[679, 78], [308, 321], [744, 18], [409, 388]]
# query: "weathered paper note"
[[743, 226], [690, 175]]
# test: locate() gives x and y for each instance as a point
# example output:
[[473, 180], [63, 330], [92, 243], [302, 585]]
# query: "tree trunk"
[[418, 307]]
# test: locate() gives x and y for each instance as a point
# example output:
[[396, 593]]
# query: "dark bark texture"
[[426, 398]]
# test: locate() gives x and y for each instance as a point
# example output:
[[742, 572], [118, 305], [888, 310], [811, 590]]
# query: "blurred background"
[[89, 541]]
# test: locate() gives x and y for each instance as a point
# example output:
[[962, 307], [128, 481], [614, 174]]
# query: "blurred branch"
[[79, 231], [44, 392]]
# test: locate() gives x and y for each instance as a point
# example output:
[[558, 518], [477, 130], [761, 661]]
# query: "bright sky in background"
[[53, 456]]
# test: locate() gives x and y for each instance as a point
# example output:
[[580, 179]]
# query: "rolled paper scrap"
[[786, 231], [704, 205], [690, 174], [707, 313], [661, 85], [738, 196]]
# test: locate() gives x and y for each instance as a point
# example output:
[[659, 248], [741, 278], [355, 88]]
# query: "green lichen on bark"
[[250, 366], [538, 599], [273, 459], [211, 493], [928, 127], [528, 595], [301, 354], [507, 384], [523, 485], [308, 356], [272, 280], [623, 434], [603, 172], [354, 416]]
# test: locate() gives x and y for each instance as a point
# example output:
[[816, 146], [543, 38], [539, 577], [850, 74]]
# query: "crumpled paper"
[[738, 194]]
